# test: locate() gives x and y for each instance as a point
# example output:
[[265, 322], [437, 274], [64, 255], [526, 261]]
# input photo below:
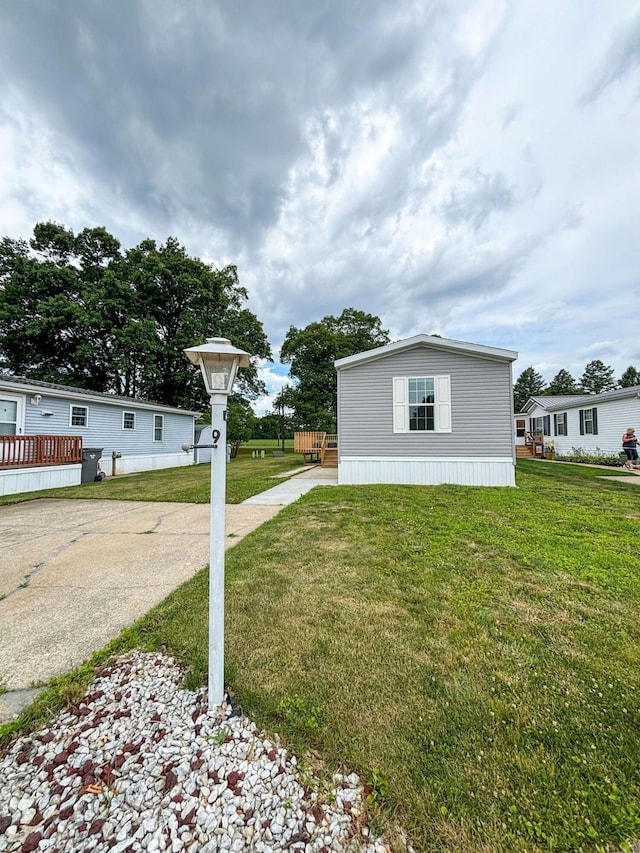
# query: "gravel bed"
[[139, 764]]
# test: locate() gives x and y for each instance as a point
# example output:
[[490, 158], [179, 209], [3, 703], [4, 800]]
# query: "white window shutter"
[[400, 411], [443, 403]]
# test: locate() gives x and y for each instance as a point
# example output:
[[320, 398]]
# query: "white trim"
[[132, 463], [19, 400], [432, 342], [49, 390], [464, 461], [153, 434], [430, 471], [400, 409], [16, 480], [129, 412], [441, 404], [73, 406]]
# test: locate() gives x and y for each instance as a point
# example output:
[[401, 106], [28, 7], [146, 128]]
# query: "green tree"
[[311, 352], [597, 377], [563, 383], [79, 311], [283, 405], [529, 384], [268, 426], [629, 378], [240, 424]]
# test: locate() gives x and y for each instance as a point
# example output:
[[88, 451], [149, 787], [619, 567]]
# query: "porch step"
[[330, 459], [523, 452]]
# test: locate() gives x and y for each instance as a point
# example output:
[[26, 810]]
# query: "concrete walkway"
[[74, 573], [289, 491]]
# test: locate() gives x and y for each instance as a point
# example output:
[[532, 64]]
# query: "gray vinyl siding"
[[104, 427], [481, 407]]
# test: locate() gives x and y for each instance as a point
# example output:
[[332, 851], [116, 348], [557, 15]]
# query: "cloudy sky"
[[465, 168]]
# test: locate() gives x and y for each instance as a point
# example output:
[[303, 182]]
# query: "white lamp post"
[[219, 362]]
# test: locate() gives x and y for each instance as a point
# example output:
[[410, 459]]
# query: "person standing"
[[629, 445]]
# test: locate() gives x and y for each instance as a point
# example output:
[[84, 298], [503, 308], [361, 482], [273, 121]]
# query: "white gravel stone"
[[148, 773]]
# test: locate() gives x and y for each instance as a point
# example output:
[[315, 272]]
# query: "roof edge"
[[448, 344], [581, 399], [36, 386]]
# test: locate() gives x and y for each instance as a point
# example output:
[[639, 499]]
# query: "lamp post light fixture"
[[219, 362]]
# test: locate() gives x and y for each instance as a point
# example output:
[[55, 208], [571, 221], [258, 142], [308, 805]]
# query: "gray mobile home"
[[136, 435], [426, 410]]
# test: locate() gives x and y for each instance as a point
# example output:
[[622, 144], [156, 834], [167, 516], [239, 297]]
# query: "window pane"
[[421, 391], [588, 421], [78, 416], [8, 411], [421, 418], [157, 427], [8, 417], [129, 420]]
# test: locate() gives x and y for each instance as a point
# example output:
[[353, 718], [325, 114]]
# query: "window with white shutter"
[[422, 404]]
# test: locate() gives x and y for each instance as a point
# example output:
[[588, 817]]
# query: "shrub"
[[599, 457]]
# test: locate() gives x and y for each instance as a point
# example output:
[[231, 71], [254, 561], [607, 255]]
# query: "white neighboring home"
[[44, 428], [592, 423], [427, 410]]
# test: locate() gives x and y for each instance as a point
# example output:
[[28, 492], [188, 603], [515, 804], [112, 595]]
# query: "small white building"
[[587, 423]]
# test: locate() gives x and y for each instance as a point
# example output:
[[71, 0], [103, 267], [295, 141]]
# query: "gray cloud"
[[415, 160], [202, 110], [477, 196], [622, 58]]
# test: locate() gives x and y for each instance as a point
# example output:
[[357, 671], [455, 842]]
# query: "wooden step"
[[330, 459], [523, 452]]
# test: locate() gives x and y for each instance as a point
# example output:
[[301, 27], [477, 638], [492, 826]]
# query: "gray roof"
[[57, 390], [569, 401], [432, 342]]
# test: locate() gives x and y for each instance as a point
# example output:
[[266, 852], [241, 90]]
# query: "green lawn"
[[473, 653], [246, 476], [268, 444]]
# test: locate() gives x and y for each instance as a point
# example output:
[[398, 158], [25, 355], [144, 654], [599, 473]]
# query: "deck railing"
[[319, 446], [308, 442], [23, 451]]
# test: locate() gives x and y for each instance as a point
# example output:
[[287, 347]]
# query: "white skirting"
[[147, 462], [17, 480], [354, 470]]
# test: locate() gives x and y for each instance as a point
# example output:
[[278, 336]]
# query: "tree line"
[[597, 377], [76, 309]]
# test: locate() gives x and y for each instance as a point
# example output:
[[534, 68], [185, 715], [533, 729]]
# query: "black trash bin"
[[90, 457]]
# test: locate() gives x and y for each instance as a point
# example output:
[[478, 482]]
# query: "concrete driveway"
[[74, 573]]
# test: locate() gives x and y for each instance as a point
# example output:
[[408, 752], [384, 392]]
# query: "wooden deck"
[[28, 451], [319, 447]]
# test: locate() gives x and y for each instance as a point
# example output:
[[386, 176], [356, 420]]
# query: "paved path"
[[289, 491], [74, 573]]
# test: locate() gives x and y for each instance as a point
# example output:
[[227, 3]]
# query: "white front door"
[[11, 414]]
